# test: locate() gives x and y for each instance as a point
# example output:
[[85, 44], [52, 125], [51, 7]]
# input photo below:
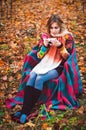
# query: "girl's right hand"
[[46, 42]]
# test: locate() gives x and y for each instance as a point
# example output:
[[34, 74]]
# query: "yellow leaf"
[[49, 128], [30, 124], [26, 39]]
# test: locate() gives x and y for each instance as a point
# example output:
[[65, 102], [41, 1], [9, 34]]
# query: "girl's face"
[[54, 29]]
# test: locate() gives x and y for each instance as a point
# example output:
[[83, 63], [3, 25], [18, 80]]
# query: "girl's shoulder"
[[68, 36]]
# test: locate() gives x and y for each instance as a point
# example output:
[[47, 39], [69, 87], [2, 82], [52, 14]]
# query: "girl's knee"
[[39, 78], [39, 82], [32, 75], [32, 79]]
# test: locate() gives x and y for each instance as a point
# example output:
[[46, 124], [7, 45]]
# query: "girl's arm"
[[43, 46], [66, 49]]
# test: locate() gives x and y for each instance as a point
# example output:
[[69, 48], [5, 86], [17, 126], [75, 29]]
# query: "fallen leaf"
[[11, 78], [4, 78], [1, 63], [30, 124], [49, 128], [83, 69], [44, 126], [80, 110], [10, 96], [2, 86]]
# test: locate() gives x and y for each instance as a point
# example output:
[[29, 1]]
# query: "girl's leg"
[[29, 84], [40, 79], [32, 93], [31, 96], [32, 79]]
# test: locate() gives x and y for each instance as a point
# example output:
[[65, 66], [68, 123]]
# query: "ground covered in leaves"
[[18, 35]]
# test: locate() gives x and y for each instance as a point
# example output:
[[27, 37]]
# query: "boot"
[[31, 96]]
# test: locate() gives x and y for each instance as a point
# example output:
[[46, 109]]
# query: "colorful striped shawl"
[[58, 93]]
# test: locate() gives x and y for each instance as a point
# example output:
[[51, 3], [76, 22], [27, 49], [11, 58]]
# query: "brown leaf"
[[7, 116], [1, 94], [10, 96], [2, 86], [80, 110]]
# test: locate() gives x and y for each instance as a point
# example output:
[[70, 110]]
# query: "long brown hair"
[[58, 20]]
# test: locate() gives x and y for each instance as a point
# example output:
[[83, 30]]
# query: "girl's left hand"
[[55, 42]]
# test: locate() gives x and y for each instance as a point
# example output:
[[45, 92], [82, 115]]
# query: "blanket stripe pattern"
[[58, 93]]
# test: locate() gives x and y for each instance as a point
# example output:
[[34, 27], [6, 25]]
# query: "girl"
[[53, 50]]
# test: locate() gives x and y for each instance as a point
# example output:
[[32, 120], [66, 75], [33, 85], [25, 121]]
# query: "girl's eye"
[[54, 28]]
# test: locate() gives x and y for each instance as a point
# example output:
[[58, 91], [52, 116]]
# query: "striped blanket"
[[58, 93]]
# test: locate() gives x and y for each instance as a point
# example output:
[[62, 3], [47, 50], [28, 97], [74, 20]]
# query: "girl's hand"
[[51, 42], [55, 42], [46, 43]]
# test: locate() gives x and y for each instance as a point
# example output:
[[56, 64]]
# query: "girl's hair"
[[58, 20]]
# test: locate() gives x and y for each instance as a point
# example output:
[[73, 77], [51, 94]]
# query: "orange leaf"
[[44, 126], [19, 76], [83, 69], [1, 63]]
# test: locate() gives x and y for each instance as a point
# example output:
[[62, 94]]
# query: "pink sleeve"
[[42, 37]]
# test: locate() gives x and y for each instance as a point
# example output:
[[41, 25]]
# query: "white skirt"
[[45, 65]]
